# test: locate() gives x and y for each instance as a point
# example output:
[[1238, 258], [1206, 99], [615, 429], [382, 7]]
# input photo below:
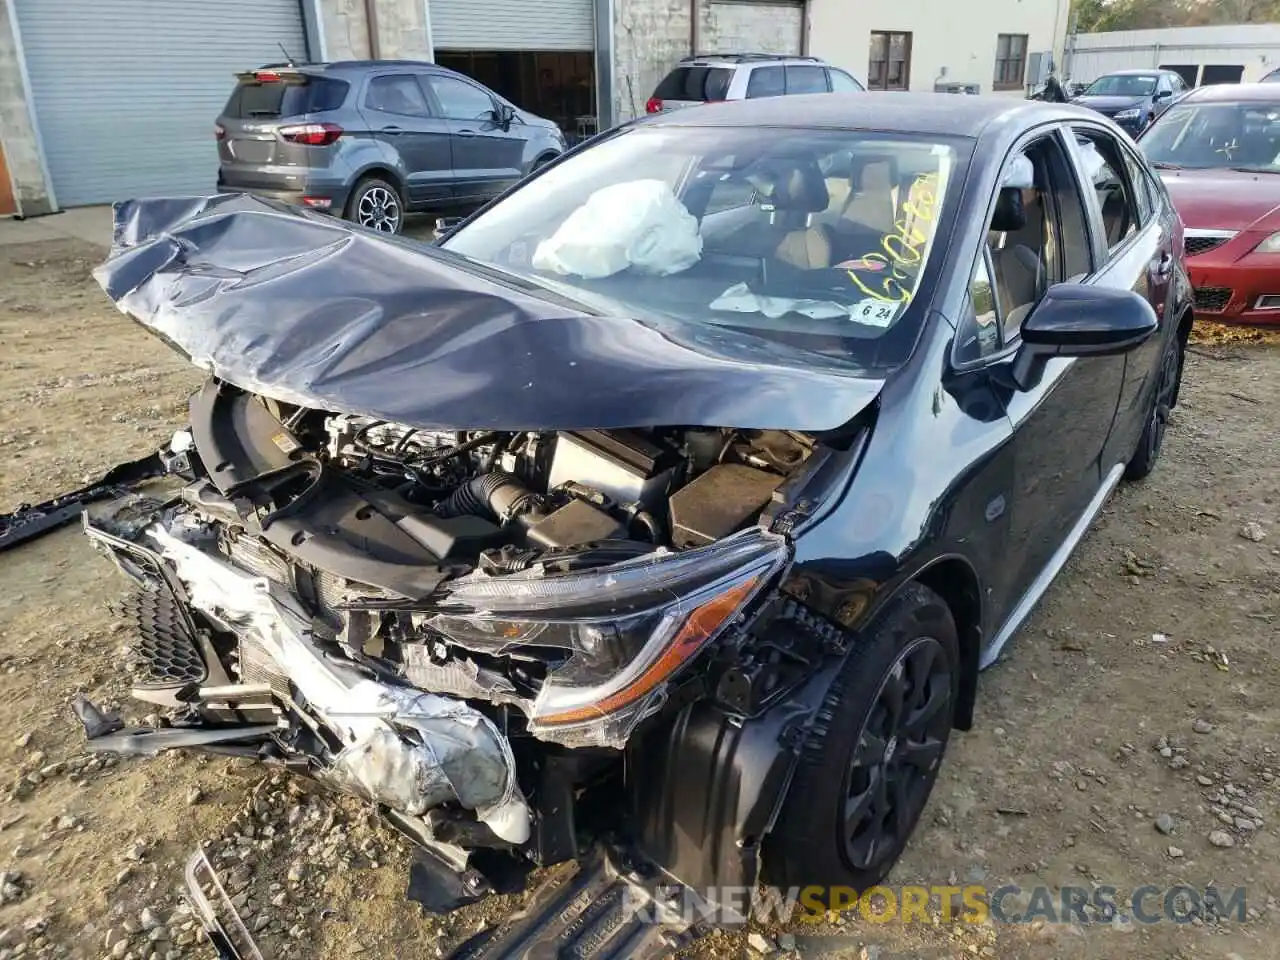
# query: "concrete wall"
[[751, 27], [401, 29], [948, 38], [649, 37], [1254, 46], [22, 154]]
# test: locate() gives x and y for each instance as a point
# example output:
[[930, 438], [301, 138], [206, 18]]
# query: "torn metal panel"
[[452, 752], [313, 311]]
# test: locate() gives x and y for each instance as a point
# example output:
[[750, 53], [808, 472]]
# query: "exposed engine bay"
[[403, 613]]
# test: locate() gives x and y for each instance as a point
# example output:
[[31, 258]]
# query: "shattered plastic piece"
[[96, 721], [638, 224], [222, 924], [439, 888], [453, 751], [149, 742]]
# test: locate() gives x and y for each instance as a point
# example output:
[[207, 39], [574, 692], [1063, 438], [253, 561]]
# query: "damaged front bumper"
[[292, 700]]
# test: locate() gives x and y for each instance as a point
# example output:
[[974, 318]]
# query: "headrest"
[[791, 184], [1010, 215], [873, 172]]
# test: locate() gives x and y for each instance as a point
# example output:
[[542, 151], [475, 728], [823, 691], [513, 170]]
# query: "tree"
[[1101, 16]]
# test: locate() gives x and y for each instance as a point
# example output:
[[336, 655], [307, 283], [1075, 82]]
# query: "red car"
[[1218, 151]]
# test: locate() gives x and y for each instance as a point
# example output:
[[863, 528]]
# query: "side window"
[[397, 93], [804, 79], [766, 82], [841, 82], [980, 333], [1104, 165], [460, 100], [1038, 236], [1142, 194]]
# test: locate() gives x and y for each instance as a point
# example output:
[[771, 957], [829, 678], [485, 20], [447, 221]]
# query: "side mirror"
[[503, 115], [444, 227], [1079, 320], [1163, 95]]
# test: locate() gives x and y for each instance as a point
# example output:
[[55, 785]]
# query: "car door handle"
[[1165, 267], [466, 133], [392, 131]]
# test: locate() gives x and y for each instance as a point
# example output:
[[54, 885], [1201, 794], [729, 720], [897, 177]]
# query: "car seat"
[[793, 190], [1018, 265]]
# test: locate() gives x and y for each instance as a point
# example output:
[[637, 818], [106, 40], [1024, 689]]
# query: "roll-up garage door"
[[126, 92], [513, 25]]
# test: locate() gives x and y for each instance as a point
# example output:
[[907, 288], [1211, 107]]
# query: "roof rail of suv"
[[741, 57]]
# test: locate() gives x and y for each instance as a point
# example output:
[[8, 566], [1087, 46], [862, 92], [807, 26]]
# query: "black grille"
[[1198, 245], [166, 652], [1213, 299]]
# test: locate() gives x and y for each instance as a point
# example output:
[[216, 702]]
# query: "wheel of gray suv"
[[873, 755], [376, 204]]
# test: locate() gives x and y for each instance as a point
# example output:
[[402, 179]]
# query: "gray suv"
[[372, 140], [746, 76]]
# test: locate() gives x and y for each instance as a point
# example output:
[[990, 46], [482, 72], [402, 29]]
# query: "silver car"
[[746, 76], [373, 140]]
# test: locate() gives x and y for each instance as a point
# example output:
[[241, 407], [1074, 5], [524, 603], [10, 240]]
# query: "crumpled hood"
[[310, 310]]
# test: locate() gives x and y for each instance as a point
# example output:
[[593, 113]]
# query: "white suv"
[[746, 76]]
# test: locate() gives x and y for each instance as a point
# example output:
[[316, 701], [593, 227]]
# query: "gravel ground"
[[1130, 736]]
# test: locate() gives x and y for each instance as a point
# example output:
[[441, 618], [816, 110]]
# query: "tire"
[[376, 205], [853, 749], [1151, 442]]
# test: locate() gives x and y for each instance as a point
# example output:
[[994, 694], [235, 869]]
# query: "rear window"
[[251, 99], [695, 83]]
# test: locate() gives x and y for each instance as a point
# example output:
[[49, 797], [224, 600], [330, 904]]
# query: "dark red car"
[[1218, 151]]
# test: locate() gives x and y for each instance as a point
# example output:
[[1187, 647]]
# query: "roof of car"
[[1226, 92], [746, 58], [1137, 72], [942, 114], [350, 66]]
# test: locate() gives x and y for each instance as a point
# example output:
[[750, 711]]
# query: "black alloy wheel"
[[874, 751], [899, 749], [1152, 440]]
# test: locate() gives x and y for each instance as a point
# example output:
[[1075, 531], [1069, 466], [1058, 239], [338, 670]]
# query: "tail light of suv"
[[312, 134], [653, 106]]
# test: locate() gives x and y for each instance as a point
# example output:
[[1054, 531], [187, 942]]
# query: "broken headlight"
[[615, 636]]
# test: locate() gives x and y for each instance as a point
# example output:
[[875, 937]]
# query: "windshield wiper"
[[1254, 169], [1161, 165]]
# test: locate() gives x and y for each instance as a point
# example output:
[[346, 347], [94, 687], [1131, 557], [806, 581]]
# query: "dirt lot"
[[1146, 688]]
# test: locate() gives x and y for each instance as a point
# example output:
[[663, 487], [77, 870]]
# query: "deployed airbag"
[[638, 224]]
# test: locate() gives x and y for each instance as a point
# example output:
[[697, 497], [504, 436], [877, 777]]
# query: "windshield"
[[817, 239], [1121, 85], [1242, 136]]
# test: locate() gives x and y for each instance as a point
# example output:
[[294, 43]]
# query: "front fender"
[[705, 789]]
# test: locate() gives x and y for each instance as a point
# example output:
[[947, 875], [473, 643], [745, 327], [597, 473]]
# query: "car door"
[[1139, 246], [488, 156], [400, 116], [1061, 425], [806, 78]]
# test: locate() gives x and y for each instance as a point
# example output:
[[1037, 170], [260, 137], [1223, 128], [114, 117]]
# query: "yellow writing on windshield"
[[902, 248]]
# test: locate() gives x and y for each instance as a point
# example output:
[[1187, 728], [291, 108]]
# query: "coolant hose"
[[496, 494]]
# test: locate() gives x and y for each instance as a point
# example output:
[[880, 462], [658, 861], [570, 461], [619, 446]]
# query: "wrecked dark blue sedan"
[[659, 519]]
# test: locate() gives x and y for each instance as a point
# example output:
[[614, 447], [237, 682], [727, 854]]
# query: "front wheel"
[[1152, 439], [376, 204], [874, 752]]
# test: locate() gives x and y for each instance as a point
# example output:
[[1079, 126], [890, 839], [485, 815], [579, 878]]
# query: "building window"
[[890, 61], [1011, 61]]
